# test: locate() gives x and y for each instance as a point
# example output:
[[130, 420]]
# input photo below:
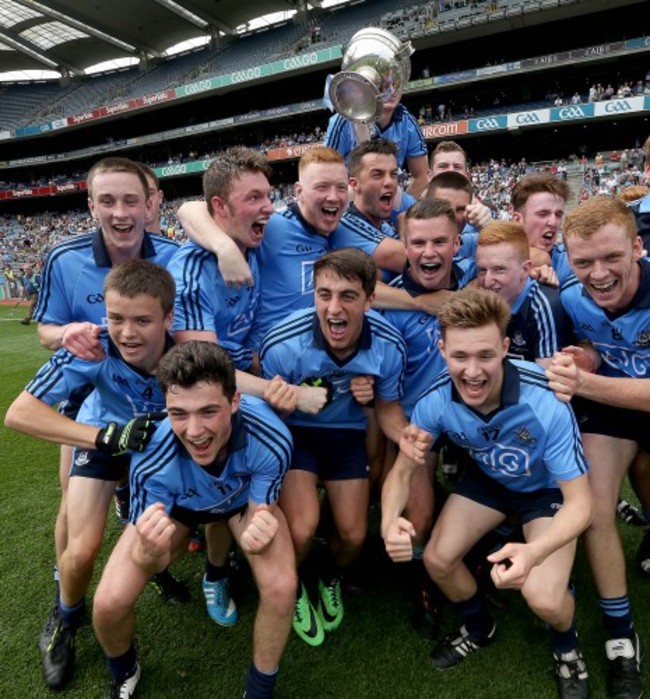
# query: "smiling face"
[[501, 269], [246, 211], [474, 359], [120, 205], [605, 263], [375, 186], [340, 305], [138, 328], [450, 160], [541, 217], [322, 194], [430, 248], [200, 417]]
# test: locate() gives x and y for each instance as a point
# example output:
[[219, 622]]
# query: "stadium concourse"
[[469, 266]]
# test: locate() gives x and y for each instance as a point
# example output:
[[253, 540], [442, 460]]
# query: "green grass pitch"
[[374, 654]]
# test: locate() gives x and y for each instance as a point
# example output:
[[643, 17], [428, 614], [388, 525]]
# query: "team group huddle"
[[329, 347]]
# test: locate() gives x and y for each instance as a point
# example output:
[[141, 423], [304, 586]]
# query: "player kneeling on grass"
[[528, 461], [215, 459], [139, 300]]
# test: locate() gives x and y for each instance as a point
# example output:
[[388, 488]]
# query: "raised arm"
[[202, 229]]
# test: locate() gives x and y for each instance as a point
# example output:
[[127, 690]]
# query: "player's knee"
[[279, 590], [437, 565], [81, 554], [353, 537], [302, 533], [547, 603]]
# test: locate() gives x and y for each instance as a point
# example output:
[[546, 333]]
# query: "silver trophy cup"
[[376, 65]]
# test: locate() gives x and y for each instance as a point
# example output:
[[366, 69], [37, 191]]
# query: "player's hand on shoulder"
[[415, 443], [82, 339], [511, 565], [155, 531], [398, 539], [363, 389], [260, 532]]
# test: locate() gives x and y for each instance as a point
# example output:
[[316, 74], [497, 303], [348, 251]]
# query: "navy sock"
[[71, 616], [617, 617], [474, 613], [565, 641], [214, 573], [259, 685], [123, 666]]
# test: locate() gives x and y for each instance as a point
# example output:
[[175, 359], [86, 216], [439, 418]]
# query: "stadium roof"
[[69, 36]]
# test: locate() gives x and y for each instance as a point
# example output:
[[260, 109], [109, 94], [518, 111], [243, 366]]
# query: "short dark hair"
[[135, 277], [227, 167], [351, 264], [381, 146], [542, 182], [192, 362], [424, 209], [449, 179], [113, 164]]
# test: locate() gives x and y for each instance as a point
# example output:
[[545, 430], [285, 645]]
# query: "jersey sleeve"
[[338, 135], [356, 234], [54, 303], [196, 294], [58, 378], [390, 385], [426, 414], [564, 457]]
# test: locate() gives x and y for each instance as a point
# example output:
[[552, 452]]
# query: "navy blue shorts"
[[476, 486], [332, 454], [598, 418], [90, 463]]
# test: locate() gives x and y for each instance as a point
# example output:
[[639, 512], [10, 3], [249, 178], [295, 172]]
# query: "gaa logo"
[[527, 118], [618, 106], [571, 113], [486, 124]]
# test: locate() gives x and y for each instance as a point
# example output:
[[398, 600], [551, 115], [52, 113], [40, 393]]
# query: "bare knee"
[[279, 590], [82, 554], [547, 604], [437, 565], [352, 539]]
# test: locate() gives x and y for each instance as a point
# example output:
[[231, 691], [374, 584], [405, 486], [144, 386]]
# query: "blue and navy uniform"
[[296, 350], [623, 341], [74, 275], [622, 338], [421, 332], [357, 231], [468, 242], [259, 452], [406, 202], [31, 284], [286, 263], [204, 301], [403, 130], [121, 392], [539, 326], [529, 443]]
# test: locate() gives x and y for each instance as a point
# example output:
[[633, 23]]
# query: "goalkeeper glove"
[[133, 436]]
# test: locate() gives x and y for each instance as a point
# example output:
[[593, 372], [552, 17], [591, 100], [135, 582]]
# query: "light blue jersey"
[[259, 454], [296, 350], [74, 275], [622, 339], [121, 393], [531, 441], [205, 302], [421, 332], [286, 262], [403, 130]]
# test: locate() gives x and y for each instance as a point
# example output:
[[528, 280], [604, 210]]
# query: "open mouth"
[[259, 227], [387, 199], [123, 228], [337, 328], [473, 388], [604, 288], [430, 267], [130, 347], [200, 447]]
